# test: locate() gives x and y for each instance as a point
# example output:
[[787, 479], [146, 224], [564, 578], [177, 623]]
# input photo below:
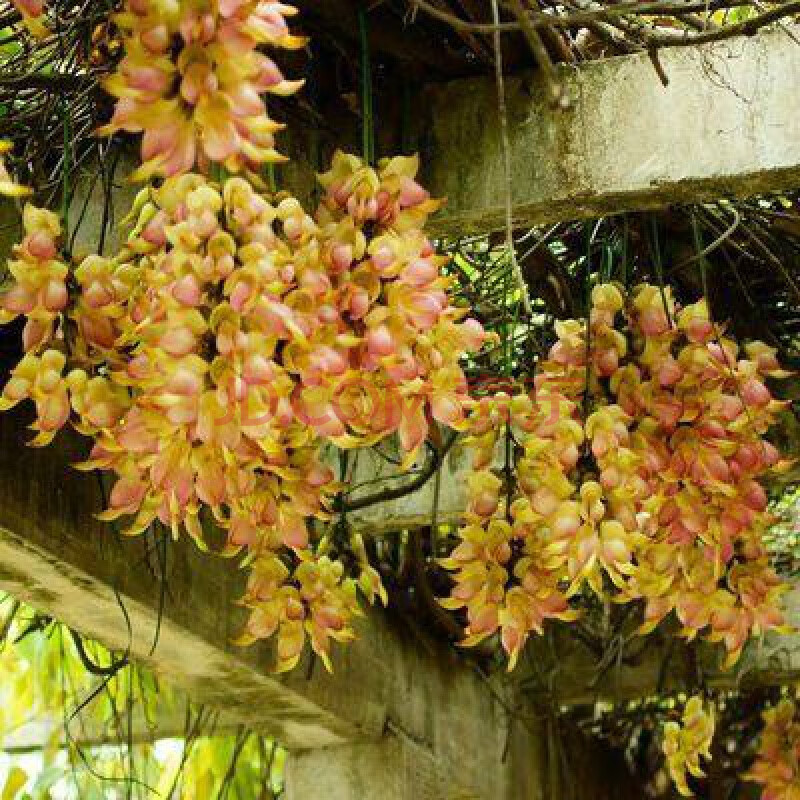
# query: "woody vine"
[[235, 334]]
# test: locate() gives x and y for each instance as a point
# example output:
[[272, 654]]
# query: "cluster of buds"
[[40, 378], [777, 765], [193, 79], [40, 289], [685, 743], [228, 341], [506, 567], [637, 475]]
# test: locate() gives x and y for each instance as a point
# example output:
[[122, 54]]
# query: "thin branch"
[[434, 463], [555, 88], [582, 18]]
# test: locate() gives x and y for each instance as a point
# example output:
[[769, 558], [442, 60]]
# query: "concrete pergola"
[[403, 717]]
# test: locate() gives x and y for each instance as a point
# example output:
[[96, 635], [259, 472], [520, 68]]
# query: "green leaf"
[[17, 778]]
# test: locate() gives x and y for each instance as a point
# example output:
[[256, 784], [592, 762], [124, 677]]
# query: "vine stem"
[[503, 114], [368, 131]]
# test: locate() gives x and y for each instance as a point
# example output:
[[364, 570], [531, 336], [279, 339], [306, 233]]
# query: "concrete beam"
[[728, 124]]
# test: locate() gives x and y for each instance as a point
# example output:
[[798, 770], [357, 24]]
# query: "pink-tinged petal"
[[187, 291], [178, 341], [147, 79], [155, 231], [412, 194], [127, 495], [653, 322], [294, 532], [156, 39], [319, 475], [53, 412], [419, 273], [380, 342], [185, 382], [447, 409], [241, 296], [18, 300], [198, 81], [413, 426], [36, 333], [98, 331], [383, 259], [359, 304], [40, 245], [755, 393], [258, 369], [341, 257], [669, 373], [97, 296], [245, 100], [220, 140], [755, 497], [473, 335], [54, 296]]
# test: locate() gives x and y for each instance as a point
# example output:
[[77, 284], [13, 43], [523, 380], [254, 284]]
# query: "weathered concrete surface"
[[727, 124], [372, 472], [563, 765]]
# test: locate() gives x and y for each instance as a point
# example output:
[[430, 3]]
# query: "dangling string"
[[625, 233], [272, 180], [66, 170], [367, 118], [655, 249], [406, 143], [515, 273]]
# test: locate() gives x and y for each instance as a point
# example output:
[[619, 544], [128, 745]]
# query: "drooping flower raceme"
[[193, 79], [637, 477], [224, 345]]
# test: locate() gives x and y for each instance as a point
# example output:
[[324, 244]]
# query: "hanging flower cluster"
[[192, 81], [777, 765], [8, 186], [40, 289], [235, 335], [506, 566], [230, 339], [685, 743], [638, 463]]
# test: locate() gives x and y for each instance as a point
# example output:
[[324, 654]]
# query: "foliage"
[[103, 736]]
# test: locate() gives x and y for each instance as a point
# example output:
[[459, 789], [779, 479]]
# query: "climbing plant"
[[234, 335]]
